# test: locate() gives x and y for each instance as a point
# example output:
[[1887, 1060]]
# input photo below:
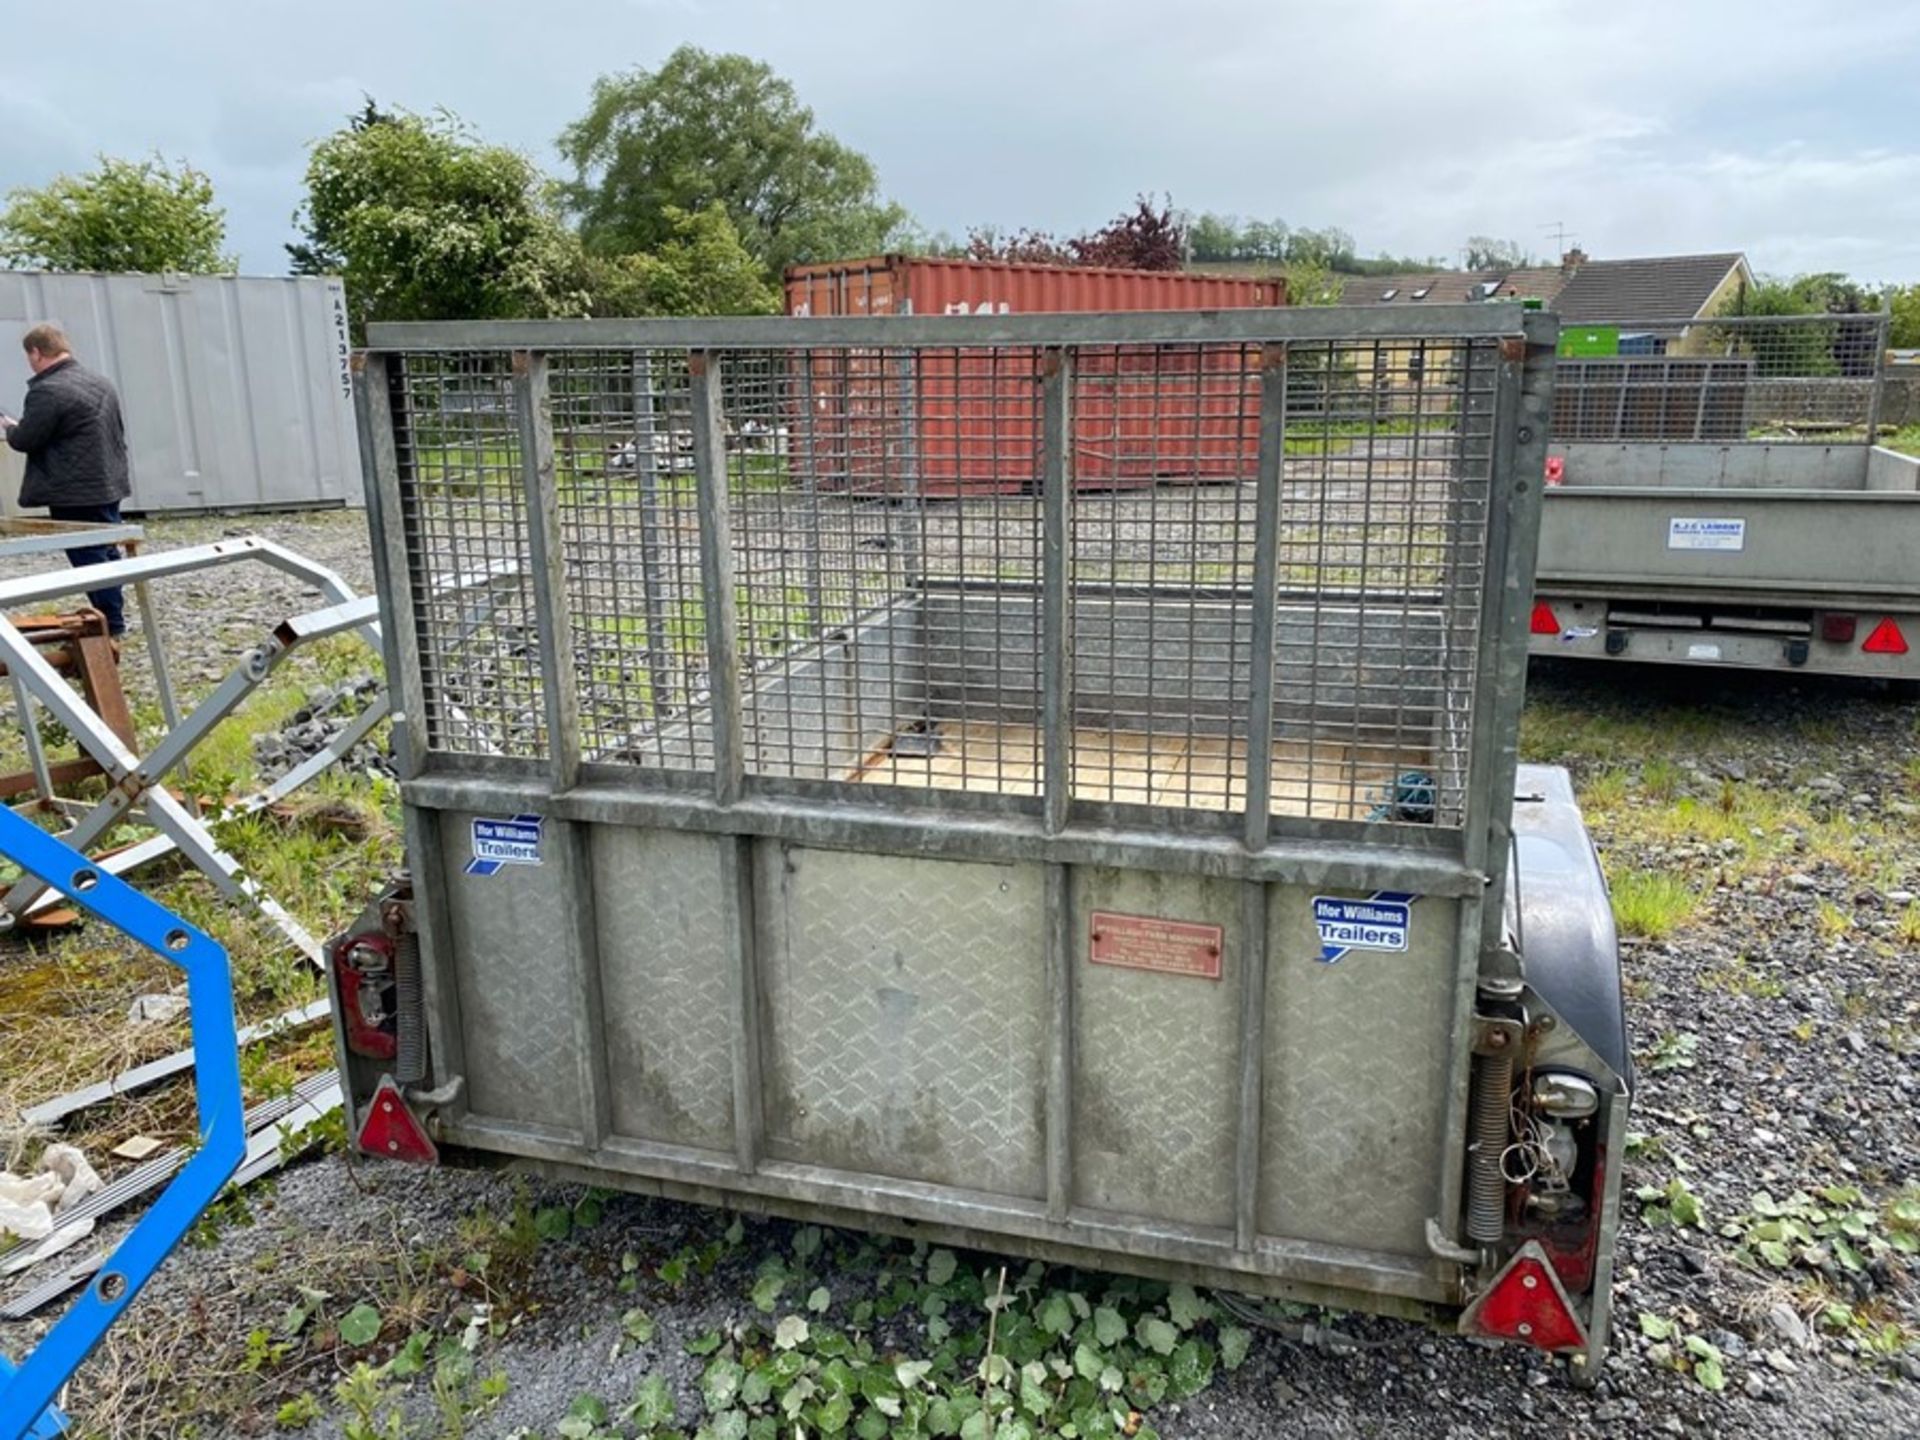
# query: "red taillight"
[[1886, 639], [1543, 621], [1838, 629], [1556, 469]]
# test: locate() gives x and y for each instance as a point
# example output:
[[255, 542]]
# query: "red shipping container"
[[967, 420]]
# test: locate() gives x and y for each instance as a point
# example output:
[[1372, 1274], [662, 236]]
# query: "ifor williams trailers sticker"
[[1378, 922], [504, 842]]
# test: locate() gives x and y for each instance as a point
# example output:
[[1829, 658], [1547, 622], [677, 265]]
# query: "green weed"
[[1652, 904], [1675, 1050], [1672, 1204], [1835, 1225], [1677, 1348]]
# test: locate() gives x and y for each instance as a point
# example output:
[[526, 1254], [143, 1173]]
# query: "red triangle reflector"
[[1886, 639], [1526, 1303], [391, 1131], [1543, 621]]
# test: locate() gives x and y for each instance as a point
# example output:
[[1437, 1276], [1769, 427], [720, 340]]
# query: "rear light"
[[1556, 469], [1526, 1302], [1837, 629], [1543, 621], [1886, 639], [391, 1131]]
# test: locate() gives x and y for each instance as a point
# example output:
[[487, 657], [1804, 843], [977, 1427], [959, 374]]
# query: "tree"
[[1143, 238], [1904, 302], [423, 221], [1017, 247], [1828, 293], [1331, 248], [1215, 237], [143, 216], [1310, 283], [1842, 348], [702, 269], [720, 129], [1484, 252], [1265, 240]]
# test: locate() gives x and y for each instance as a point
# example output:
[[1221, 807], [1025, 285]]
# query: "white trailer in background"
[[1715, 497]]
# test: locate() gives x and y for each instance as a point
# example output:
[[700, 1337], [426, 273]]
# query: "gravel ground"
[[1795, 975], [210, 618]]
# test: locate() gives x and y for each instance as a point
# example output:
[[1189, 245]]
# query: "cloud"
[[1646, 126]]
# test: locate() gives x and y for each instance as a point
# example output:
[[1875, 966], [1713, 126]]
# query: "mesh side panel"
[[1382, 558], [885, 537], [821, 457], [463, 504], [1165, 448], [623, 461], [1731, 379]]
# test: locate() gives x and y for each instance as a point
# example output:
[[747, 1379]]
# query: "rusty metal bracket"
[[1497, 1035]]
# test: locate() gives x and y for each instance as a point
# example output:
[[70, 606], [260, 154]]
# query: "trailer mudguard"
[[1563, 918]]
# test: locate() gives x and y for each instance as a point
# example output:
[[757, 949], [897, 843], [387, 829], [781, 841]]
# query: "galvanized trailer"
[[1717, 498], [1121, 878]]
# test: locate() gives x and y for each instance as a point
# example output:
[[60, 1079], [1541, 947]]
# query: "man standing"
[[71, 432]]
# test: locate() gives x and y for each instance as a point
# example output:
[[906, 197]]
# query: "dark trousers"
[[109, 603]]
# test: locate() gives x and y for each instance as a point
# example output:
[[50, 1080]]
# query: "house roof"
[[1671, 287], [1585, 292], [1429, 287]]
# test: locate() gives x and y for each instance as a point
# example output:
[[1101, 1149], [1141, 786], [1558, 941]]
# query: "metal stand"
[[134, 782]]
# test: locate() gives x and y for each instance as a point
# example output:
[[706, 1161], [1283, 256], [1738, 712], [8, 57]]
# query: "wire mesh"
[[1384, 512], [1732, 379], [885, 548], [1165, 450], [623, 463], [464, 508]]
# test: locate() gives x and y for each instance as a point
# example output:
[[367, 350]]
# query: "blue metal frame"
[[27, 1394]]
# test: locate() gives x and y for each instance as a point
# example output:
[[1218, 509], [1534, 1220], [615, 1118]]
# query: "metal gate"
[[1100, 874]]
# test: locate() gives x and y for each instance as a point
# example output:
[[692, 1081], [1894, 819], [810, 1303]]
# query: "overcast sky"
[[1789, 132]]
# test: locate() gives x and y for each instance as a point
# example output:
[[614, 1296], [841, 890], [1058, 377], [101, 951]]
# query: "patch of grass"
[[1739, 977], [63, 996], [1652, 904], [1677, 1348], [1907, 925], [1337, 437], [1660, 777], [1831, 920], [1672, 1204], [1906, 439], [1563, 729], [1607, 793]]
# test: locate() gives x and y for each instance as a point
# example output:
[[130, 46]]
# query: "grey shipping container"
[[237, 390]]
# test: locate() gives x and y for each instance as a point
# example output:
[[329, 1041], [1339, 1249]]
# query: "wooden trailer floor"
[[1338, 782]]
